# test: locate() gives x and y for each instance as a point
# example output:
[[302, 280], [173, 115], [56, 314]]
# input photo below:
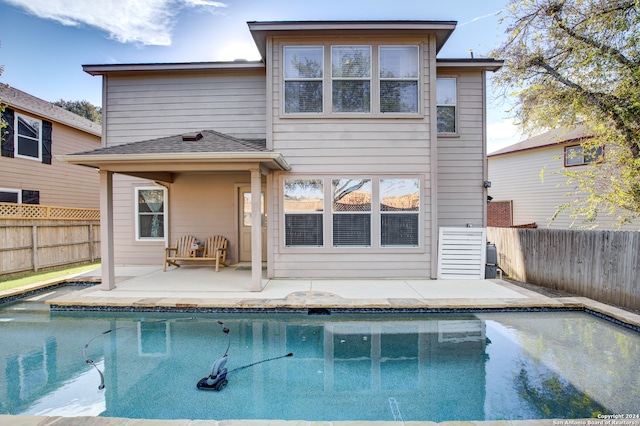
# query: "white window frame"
[[13, 191], [17, 135], [286, 79], [165, 213], [286, 212], [417, 213], [454, 105], [375, 213], [399, 79], [373, 79], [370, 212], [367, 79]]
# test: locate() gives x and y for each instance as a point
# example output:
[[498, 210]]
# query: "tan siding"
[[202, 205], [59, 183], [147, 107], [461, 159], [370, 147]]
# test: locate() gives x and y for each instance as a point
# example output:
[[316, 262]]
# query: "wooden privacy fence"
[[34, 237], [600, 265]]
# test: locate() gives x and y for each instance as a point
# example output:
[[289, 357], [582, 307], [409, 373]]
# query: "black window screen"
[[351, 230], [399, 229], [8, 197], [303, 230]]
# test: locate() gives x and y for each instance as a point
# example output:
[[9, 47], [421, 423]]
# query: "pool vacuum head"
[[217, 380]]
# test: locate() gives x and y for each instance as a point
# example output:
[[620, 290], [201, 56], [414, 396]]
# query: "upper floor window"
[[577, 156], [28, 137], [151, 213], [446, 96], [399, 73], [303, 77], [351, 78]]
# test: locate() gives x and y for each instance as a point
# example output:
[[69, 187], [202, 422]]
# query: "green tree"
[[571, 62], [82, 108]]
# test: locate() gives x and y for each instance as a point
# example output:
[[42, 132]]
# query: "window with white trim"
[[303, 77], [399, 212], [303, 212], [28, 137], [446, 100], [364, 212], [351, 208], [8, 195], [351, 78], [399, 74], [151, 212]]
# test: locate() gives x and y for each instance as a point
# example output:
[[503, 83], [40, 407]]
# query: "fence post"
[[34, 247], [91, 254]]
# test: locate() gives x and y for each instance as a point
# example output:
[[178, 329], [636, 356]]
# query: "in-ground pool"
[[410, 366]]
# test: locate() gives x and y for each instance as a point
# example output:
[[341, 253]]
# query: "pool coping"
[[116, 421]]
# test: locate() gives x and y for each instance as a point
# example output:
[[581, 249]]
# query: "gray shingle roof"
[[18, 99], [211, 141]]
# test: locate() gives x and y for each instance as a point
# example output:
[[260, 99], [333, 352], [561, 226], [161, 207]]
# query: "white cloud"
[[148, 22], [501, 134]]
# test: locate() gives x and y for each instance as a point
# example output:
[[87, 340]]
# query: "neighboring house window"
[[351, 208], [26, 137], [303, 212], [576, 155], [25, 196], [399, 73], [399, 212], [446, 104], [303, 75], [10, 195], [151, 211], [351, 78]]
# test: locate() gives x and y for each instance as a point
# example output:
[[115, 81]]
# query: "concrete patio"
[[147, 287]]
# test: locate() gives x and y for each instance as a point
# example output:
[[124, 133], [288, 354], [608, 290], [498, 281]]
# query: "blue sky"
[[44, 43]]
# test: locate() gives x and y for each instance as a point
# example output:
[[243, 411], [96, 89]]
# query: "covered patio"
[[164, 161]]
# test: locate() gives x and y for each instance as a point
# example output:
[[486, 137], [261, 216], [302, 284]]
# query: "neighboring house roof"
[[553, 137], [17, 99], [197, 147]]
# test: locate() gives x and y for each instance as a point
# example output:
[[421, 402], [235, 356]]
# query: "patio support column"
[[106, 230], [256, 230]]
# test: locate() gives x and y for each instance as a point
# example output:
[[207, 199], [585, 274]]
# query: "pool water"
[[411, 367]]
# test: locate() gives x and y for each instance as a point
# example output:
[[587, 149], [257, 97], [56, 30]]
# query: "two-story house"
[[37, 131], [353, 140]]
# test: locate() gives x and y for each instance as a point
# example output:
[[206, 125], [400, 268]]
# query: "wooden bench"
[[214, 250]]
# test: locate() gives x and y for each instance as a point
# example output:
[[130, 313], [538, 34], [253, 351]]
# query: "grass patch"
[[36, 277]]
